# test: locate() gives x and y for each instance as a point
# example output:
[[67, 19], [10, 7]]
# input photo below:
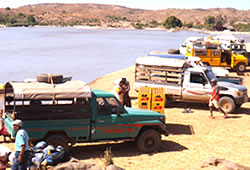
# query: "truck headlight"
[[240, 93]]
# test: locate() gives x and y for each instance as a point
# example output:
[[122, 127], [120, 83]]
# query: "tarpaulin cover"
[[38, 91]]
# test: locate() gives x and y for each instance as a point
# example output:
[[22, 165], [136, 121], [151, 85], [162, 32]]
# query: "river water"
[[83, 54]]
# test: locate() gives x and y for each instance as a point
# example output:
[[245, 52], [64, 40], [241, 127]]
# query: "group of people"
[[21, 158]]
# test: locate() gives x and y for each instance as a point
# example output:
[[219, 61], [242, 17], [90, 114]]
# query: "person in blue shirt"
[[21, 147]]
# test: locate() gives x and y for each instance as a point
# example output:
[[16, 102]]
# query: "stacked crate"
[[144, 98], [158, 99]]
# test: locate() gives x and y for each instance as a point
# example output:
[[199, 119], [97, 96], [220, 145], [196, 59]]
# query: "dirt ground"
[[194, 136]]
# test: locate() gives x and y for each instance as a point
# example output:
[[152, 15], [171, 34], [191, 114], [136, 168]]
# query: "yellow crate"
[[144, 105], [144, 98], [158, 94], [158, 107]]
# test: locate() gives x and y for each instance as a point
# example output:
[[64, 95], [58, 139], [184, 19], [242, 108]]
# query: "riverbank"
[[194, 137], [226, 32]]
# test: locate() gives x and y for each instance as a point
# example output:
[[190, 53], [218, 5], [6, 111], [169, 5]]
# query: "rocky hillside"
[[119, 16]]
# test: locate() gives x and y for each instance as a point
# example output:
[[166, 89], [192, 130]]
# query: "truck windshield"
[[210, 74]]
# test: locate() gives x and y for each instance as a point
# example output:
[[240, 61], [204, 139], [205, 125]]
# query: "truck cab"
[[197, 87], [71, 112]]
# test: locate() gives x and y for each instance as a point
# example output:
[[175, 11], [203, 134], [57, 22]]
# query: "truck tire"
[[173, 51], [45, 78], [56, 140], [149, 141], [240, 67], [227, 104]]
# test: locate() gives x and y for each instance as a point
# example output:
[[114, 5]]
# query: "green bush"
[[242, 27], [188, 25], [198, 26], [19, 19], [172, 22], [138, 25]]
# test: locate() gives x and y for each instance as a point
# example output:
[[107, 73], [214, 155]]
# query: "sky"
[[143, 4]]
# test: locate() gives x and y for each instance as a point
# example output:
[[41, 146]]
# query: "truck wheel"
[[56, 140], [227, 104], [57, 78], [240, 67], [149, 141]]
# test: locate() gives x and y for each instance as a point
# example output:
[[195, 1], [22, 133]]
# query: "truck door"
[[196, 87], [110, 117]]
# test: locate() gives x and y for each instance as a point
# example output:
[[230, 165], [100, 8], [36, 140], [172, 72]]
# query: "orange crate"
[[158, 107], [158, 94], [144, 98], [144, 105]]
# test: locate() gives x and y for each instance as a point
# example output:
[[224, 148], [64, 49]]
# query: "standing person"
[[214, 100], [125, 88], [4, 157], [21, 146], [3, 130], [120, 95]]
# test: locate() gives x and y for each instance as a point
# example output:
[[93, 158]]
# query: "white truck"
[[184, 82]]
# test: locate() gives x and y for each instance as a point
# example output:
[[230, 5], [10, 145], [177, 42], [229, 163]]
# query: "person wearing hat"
[[214, 100], [21, 146]]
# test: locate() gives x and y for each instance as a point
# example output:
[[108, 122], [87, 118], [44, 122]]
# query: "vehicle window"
[[210, 74], [200, 53], [106, 105], [215, 52], [197, 78], [77, 108]]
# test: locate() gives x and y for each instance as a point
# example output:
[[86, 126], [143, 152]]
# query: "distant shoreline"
[[146, 29]]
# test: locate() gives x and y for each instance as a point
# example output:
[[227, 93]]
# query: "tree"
[[31, 20], [209, 20], [172, 22]]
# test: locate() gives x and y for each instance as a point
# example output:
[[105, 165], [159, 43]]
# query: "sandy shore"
[[220, 138], [194, 137]]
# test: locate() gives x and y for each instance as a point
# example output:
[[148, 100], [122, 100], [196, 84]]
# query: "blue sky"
[[143, 4]]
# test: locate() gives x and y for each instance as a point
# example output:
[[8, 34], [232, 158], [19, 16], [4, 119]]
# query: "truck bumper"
[[242, 99]]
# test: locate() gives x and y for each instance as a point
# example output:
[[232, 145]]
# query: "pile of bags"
[[43, 155]]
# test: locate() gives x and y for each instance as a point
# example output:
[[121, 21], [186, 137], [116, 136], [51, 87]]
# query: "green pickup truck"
[[68, 113]]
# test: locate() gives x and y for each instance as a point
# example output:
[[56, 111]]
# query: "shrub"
[[242, 27], [172, 22]]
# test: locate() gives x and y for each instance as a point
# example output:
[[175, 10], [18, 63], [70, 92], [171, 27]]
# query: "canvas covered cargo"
[[44, 101], [37, 91], [161, 61], [166, 54]]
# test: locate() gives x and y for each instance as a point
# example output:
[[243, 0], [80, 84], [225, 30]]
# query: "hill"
[[120, 16]]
